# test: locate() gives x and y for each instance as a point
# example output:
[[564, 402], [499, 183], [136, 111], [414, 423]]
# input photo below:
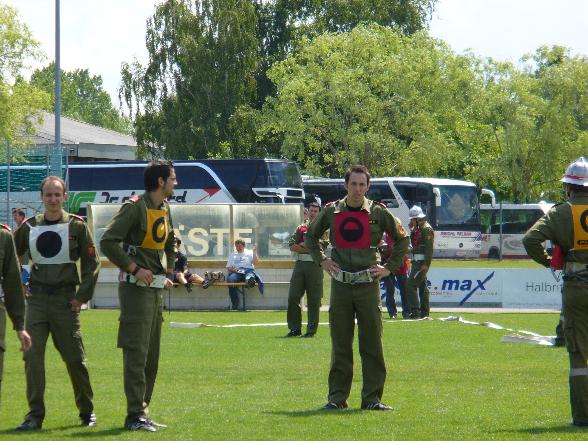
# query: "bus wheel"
[[493, 254]]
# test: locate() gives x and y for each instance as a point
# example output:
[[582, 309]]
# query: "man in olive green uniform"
[[307, 276], [422, 238], [55, 242], [566, 226], [11, 295], [146, 260], [356, 226]]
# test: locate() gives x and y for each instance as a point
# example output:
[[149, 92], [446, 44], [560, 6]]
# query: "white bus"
[[451, 206], [204, 181], [504, 225]]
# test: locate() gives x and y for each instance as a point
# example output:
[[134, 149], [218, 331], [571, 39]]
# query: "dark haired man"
[[566, 226], [55, 241], [307, 276], [356, 226], [146, 260], [18, 216]]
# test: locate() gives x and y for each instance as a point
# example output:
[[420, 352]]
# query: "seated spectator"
[[241, 268], [182, 273]]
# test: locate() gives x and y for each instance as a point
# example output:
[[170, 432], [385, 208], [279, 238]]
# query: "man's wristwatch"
[[136, 270]]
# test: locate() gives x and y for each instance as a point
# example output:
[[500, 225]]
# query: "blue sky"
[[100, 35]]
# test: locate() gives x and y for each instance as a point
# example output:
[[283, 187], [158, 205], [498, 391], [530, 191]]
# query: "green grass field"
[[446, 380]]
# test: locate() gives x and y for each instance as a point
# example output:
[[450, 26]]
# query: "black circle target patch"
[[351, 229], [49, 244], [584, 220], [158, 230]]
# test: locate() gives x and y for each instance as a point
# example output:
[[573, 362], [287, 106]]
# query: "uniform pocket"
[[570, 335], [131, 333]]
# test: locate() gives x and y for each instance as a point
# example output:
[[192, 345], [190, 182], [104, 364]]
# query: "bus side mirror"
[[490, 193], [437, 196]]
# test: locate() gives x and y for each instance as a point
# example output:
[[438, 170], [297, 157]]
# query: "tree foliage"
[[536, 123], [373, 96], [408, 105], [202, 61], [82, 97], [20, 103], [208, 60]]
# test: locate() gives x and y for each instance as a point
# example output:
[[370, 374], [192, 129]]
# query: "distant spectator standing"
[[307, 276], [241, 263], [422, 238], [18, 216], [566, 226], [64, 272], [398, 277]]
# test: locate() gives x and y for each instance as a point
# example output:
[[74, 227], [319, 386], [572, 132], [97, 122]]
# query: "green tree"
[[82, 97], [535, 123], [20, 103], [206, 76], [374, 96], [202, 61]]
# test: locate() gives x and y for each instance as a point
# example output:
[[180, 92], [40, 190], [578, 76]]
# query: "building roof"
[[86, 141]]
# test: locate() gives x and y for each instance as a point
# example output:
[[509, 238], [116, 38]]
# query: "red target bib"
[[352, 229]]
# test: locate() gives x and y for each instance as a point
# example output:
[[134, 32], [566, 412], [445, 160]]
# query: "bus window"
[[459, 205], [381, 192], [284, 174]]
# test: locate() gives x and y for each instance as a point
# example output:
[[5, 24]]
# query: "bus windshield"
[[283, 174], [459, 206]]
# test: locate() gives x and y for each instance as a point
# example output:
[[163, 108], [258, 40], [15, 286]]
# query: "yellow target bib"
[[157, 230], [580, 217]]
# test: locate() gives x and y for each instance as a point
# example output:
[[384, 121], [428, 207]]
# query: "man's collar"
[[342, 205]]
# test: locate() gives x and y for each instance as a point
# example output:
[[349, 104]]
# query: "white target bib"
[[49, 244]]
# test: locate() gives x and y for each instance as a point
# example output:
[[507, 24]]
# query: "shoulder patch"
[[380, 204], [330, 204], [134, 199], [5, 227], [78, 217]]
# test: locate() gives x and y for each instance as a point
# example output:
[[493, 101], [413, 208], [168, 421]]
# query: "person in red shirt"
[[397, 278]]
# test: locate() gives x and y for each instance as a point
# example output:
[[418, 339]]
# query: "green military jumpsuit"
[[355, 242], [566, 225], [11, 294], [48, 311], [422, 238], [307, 276], [148, 239]]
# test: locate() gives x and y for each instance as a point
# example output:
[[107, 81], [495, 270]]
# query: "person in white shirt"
[[240, 263]]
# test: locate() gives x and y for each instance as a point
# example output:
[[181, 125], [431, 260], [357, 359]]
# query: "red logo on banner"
[[352, 229]]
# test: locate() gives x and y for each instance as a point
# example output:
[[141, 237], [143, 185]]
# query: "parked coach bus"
[[452, 207], [204, 181], [504, 225]]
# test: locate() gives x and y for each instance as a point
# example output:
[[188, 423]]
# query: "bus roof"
[[544, 206], [432, 181]]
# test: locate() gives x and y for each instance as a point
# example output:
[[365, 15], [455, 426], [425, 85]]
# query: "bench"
[[240, 286]]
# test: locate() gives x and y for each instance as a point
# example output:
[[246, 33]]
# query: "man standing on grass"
[[566, 226], [146, 260], [307, 276], [60, 248], [11, 295], [356, 226], [422, 238]]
